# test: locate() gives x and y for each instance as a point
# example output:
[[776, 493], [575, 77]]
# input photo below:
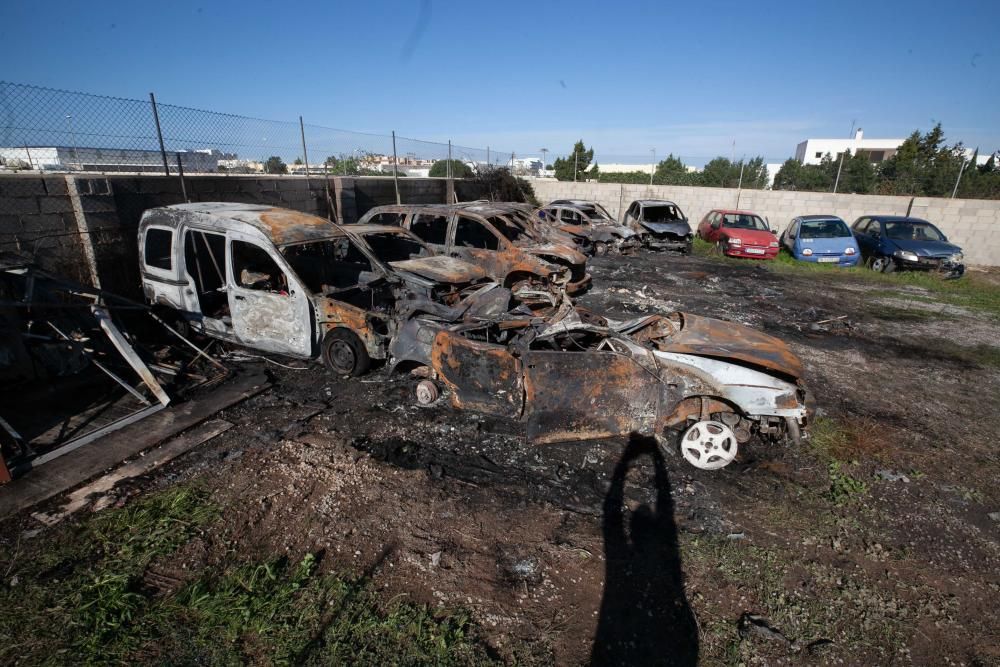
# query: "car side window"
[[255, 269], [874, 227], [431, 229], [793, 230], [471, 233], [569, 215], [159, 242], [395, 219]]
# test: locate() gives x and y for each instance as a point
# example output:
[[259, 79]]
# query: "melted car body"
[[569, 374], [660, 223], [496, 237], [291, 283], [589, 225]]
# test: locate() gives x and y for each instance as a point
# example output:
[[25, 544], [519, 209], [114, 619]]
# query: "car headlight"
[[734, 241], [774, 244], [807, 252], [906, 254], [957, 257], [850, 251]]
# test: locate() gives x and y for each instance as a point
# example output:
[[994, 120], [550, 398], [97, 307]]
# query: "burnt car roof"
[[283, 226], [656, 202], [482, 208]]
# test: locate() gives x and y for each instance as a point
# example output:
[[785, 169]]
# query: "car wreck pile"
[[474, 302]]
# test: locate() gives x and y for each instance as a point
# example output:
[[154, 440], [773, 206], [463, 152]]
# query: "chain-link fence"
[[48, 130]]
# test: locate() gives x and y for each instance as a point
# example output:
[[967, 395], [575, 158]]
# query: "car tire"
[[717, 249], [600, 249], [344, 353], [881, 264]]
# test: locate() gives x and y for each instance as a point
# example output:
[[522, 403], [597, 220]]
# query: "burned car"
[[590, 225], [661, 224], [291, 283], [570, 374], [492, 236]]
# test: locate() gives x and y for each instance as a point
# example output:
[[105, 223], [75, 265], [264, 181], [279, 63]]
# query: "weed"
[[844, 488], [861, 439], [81, 598]]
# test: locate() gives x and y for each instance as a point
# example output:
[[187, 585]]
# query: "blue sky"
[[688, 78]]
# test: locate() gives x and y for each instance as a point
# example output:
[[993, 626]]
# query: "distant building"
[[619, 168], [811, 151], [85, 158]]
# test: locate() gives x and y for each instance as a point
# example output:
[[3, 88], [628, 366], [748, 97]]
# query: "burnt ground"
[[872, 543]]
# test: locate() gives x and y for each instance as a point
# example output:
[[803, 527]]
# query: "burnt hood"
[[679, 227], [557, 250], [708, 337], [441, 269]]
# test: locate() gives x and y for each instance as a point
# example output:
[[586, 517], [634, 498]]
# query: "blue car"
[[821, 238], [892, 242]]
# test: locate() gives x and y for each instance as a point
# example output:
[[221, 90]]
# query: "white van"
[[287, 282]]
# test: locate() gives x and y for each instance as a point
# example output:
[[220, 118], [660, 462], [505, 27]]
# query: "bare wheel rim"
[[342, 356], [709, 445], [427, 392], [879, 264]]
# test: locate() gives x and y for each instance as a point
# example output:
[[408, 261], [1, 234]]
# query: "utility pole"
[[841, 165], [652, 167], [576, 164], [959, 179], [72, 134], [545, 152], [395, 167]]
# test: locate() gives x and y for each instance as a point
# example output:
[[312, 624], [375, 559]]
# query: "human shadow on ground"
[[645, 617]]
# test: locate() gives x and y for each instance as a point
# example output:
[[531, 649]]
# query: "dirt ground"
[[875, 542]]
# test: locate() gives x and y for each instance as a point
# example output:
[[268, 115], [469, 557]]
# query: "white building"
[[86, 158], [811, 151]]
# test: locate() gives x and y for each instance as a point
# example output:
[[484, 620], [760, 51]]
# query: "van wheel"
[[344, 353]]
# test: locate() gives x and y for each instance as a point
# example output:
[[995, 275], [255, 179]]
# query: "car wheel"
[[717, 249], [881, 264], [600, 248], [344, 353]]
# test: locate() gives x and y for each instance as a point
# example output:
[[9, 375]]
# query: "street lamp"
[[652, 167], [545, 151]]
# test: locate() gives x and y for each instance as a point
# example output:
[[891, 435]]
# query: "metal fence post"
[[487, 156], [159, 134], [395, 167], [305, 153], [959, 179], [180, 174]]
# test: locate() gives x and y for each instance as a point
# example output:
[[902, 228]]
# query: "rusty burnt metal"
[[501, 237], [569, 374], [291, 283], [589, 225]]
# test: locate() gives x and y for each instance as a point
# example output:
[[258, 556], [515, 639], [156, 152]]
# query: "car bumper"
[[580, 286], [944, 267], [661, 243], [845, 261], [746, 253]]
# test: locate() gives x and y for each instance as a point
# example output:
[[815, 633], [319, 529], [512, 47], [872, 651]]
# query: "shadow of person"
[[645, 618]]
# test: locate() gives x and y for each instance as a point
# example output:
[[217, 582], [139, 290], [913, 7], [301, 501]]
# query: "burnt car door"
[[474, 241], [270, 308], [583, 395], [482, 376], [431, 228]]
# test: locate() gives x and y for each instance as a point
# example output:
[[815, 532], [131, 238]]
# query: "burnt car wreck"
[[286, 282], [569, 374], [590, 226], [661, 224]]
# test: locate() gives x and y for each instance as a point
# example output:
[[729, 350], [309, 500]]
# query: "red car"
[[739, 234]]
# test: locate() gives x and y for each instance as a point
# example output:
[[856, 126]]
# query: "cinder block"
[[21, 186], [92, 204], [52, 204], [55, 186], [10, 224], [18, 205], [41, 224]]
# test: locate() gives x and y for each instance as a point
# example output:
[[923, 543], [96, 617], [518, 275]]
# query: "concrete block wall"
[[37, 215], [973, 224]]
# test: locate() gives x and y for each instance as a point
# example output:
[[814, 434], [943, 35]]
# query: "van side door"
[[269, 306]]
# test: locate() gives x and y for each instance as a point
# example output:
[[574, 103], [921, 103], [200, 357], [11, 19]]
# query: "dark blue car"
[[820, 238], [891, 242]]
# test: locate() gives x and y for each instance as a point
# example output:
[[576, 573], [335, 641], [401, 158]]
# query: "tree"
[[572, 168], [274, 165], [458, 169], [722, 173], [501, 185], [922, 166], [298, 160], [857, 175], [672, 171], [352, 165]]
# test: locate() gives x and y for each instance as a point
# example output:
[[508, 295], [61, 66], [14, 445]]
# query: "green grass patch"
[[80, 596], [844, 488]]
